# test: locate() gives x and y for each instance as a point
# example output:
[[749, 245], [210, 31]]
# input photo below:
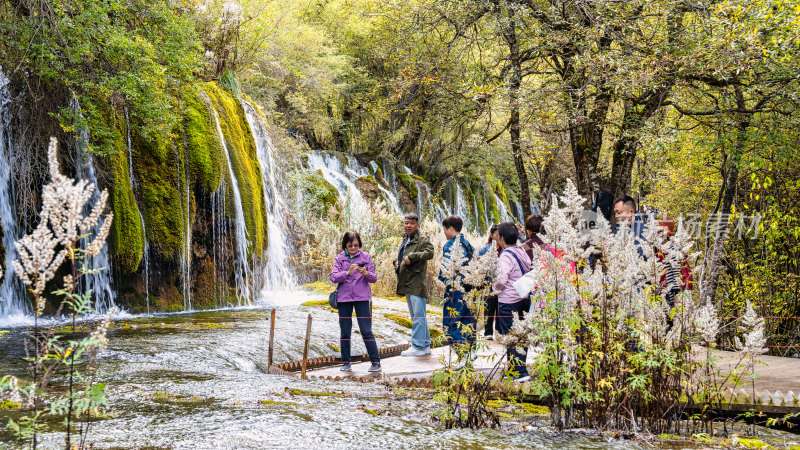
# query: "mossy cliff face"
[[244, 159], [127, 237], [177, 181]]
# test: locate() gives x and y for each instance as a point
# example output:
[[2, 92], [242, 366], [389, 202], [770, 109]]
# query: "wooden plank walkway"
[[777, 383]]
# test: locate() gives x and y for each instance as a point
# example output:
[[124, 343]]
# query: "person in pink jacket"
[[353, 271], [512, 264]]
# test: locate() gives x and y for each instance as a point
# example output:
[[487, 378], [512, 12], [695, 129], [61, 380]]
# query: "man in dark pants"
[[411, 267], [458, 321], [512, 264]]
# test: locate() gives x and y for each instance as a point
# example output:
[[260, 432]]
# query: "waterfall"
[[276, 273], [486, 212], [475, 221], [187, 255], [390, 197], [422, 190], [505, 215], [12, 292], [99, 282], [241, 268], [146, 251], [357, 209], [461, 203], [220, 233]]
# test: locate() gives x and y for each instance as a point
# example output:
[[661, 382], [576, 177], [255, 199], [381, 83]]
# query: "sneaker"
[[522, 379], [346, 367], [411, 351], [375, 367], [489, 337], [427, 350]]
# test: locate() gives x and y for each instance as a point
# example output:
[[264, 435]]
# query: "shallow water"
[[197, 380]]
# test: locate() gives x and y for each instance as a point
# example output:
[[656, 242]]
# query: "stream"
[[198, 380]]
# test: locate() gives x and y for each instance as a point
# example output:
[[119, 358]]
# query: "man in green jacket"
[[411, 268]]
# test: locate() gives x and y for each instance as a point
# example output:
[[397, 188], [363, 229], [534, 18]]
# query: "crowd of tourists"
[[353, 272]]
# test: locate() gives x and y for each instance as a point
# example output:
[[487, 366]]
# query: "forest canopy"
[[691, 107]]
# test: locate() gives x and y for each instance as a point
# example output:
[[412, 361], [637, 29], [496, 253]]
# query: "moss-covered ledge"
[[244, 159]]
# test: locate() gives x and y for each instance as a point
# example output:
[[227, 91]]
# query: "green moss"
[[408, 182], [435, 333], [170, 326], [371, 412], [491, 204], [161, 198], [276, 402], [319, 287], [481, 209], [501, 192], [166, 397], [752, 443], [313, 393], [204, 150], [127, 236], [8, 404], [400, 320], [380, 179], [244, 159], [315, 303], [318, 191]]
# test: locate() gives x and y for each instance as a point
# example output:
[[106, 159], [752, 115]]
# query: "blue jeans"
[[364, 324], [457, 318], [420, 336], [506, 313]]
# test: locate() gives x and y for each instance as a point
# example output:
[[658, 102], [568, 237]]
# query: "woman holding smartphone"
[[353, 271]]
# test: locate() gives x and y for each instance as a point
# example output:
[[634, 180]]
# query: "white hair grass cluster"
[[63, 223]]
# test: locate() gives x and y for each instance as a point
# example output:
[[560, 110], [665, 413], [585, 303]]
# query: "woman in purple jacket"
[[353, 270]]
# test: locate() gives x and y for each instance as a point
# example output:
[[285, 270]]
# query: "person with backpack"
[[458, 320], [512, 264]]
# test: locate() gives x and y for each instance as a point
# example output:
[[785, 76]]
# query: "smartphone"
[[362, 264]]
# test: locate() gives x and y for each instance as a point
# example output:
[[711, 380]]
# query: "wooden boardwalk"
[[777, 382]]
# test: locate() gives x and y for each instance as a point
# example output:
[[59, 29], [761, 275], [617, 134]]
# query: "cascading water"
[[390, 197], [12, 292], [357, 209], [241, 267], [476, 221], [486, 213], [461, 203], [276, 273], [99, 282], [503, 210], [220, 233], [187, 253], [146, 251]]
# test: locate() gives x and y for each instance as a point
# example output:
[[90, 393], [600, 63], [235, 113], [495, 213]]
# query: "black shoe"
[[375, 367], [346, 367]]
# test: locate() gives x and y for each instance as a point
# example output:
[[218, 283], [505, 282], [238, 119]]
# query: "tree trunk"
[[513, 99], [634, 118], [714, 259], [586, 140]]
